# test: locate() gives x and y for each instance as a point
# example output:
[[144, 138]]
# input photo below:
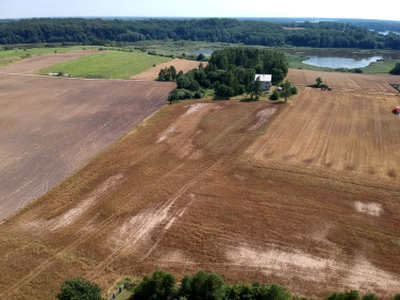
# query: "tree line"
[[230, 72], [200, 286], [249, 32]]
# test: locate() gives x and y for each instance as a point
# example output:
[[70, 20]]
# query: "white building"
[[265, 81]]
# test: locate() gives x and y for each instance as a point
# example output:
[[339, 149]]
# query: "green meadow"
[[108, 64]]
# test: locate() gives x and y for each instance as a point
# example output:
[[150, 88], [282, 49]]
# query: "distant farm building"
[[265, 81]]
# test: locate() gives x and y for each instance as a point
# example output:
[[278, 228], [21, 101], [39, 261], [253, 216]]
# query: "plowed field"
[[197, 187], [50, 126]]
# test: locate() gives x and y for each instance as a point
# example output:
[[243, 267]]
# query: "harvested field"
[[36, 63], [193, 187], [51, 126], [350, 130], [375, 84], [179, 64]]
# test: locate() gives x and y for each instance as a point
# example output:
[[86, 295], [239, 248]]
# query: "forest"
[[99, 31]]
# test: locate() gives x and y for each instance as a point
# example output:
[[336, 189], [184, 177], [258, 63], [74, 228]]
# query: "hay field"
[[193, 188]]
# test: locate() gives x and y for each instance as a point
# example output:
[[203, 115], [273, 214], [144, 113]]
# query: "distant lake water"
[[340, 62], [204, 51], [342, 58]]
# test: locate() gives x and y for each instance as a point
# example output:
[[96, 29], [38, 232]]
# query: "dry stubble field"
[[197, 187]]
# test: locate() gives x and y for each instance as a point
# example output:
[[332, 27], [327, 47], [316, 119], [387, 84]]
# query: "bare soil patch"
[[251, 207], [36, 63], [179, 64]]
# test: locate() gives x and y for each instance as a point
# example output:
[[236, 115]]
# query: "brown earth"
[[36, 63], [50, 126], [179, 64], [197, 187]]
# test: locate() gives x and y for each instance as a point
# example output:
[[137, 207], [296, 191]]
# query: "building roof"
[[263, 77]]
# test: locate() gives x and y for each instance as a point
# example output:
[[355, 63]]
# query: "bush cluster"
[[162, 285], [202, 286]]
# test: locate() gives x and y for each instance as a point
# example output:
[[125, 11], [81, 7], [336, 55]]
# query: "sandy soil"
[[36, 63], [179, 64], [251, 207]]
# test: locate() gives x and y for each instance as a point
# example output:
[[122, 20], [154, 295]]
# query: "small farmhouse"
[[265, 81]]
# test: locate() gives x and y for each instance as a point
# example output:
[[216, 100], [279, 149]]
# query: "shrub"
[[159, 286], [202, 285], [224, 91], [395, 70], [352, 295], [275, 95], [79, 289], [370, 297]]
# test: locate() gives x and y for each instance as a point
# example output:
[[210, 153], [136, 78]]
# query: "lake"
[[340, 62], [350, 59], [202, 51]]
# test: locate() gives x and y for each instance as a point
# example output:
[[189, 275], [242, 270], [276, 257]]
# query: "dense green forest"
[[100, 31]]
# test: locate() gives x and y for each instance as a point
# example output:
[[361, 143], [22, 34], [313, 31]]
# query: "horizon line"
[[182, 17]]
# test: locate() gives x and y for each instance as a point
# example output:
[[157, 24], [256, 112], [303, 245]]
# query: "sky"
[[359, 9]]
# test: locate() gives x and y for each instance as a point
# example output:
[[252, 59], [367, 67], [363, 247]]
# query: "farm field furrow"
[[311, 204]]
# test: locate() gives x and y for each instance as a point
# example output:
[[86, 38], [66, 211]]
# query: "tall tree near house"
[[256, 89], [286, 90]]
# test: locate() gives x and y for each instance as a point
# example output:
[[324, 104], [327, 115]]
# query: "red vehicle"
[[396, 110]]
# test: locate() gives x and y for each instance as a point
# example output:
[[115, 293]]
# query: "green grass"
[[125, 294], [9, 56], [384, 66], [109, 64]]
